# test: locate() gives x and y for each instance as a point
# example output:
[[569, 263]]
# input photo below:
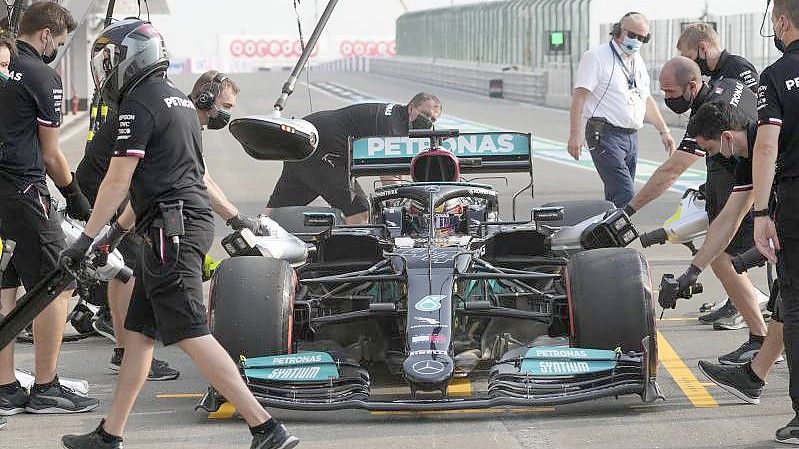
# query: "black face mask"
[[703, 67], [680, 104], [779, 44], [421, 122], [48, 58], [220, 120]]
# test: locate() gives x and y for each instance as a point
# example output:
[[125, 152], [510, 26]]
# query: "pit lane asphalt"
[[164, 415]]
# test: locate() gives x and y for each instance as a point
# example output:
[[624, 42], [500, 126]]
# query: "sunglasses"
[[643, 38]]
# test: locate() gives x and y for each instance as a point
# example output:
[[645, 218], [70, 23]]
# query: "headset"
[[207, 97], [616, 31]]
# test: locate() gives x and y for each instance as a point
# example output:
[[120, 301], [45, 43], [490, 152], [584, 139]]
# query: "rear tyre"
[[610, 299], [252, 306], [576, 211]]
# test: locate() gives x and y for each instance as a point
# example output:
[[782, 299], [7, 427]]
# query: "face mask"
[[778, 43], [49, 57], [631, 45], [220, 120], [679, 104], [3, 77], [421, 122], [703, 67]]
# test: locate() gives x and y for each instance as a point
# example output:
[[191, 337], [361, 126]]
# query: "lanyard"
[[629, 74]]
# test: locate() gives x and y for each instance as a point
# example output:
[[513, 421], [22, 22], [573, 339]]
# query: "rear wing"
[[483, 152]]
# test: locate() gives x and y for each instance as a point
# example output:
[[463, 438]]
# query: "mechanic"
[[325, 173], [723, 129], [776, 164], [611, 93], [214, 98], [7, 49], [681, 82], [701, 43], [29, 135], [158, 161]]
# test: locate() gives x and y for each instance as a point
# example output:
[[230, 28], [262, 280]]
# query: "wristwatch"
[[761, 213]]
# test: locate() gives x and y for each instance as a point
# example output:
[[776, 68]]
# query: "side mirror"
[[547, 214], [274, 138], [325, 219]]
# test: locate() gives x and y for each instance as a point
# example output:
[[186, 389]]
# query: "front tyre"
[[610, 299], [252, 306]]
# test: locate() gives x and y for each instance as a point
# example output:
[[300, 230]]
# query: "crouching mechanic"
[[325, 173], [684, 89], [722, 129], [158, 161], [214, 96]]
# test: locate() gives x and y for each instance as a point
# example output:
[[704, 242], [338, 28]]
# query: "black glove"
[[242, 221], [687, 281], [683, 287], [74, 254], [629, 210], [78, 206], [107, 244]]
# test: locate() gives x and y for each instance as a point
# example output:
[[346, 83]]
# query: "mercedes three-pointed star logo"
[[427, 367]]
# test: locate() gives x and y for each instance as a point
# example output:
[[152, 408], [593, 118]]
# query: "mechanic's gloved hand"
[[74, 254], [683, 287], [687, 281], [108, 243], [78, 206], [629, 210], [242, 221]]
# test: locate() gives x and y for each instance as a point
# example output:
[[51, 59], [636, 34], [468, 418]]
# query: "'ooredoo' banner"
[[276, 50]]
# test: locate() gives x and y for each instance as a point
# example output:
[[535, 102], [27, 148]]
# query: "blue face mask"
[[631, 45]]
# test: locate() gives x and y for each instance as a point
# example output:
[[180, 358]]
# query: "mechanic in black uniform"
[[776, 161], [325, 173], [701, 43], [158, 161], [682, 84], [214, 95], [29, 119], [723, 129]]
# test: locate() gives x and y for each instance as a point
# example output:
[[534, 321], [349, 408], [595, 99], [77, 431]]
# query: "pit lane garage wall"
[[534, 46]]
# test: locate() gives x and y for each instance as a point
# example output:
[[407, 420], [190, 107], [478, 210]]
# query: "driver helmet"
[[435, 165], [124, 54]]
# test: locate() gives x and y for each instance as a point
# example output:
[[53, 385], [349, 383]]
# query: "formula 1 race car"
[[387, 315]]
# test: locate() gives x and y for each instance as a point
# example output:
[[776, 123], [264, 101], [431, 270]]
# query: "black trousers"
[[787, 221]]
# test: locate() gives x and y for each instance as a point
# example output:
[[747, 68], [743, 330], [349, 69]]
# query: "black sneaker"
[[744, 354], [104, 325], [55, 398], [790, 433], [718, 312], [279, 438], [159, 369], [92, 440], [734, 379], [13, 399]]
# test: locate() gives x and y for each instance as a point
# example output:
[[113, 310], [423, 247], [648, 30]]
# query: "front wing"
[[506, 386]]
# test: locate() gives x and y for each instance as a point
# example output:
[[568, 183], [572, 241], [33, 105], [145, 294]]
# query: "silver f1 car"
[[384, 316]]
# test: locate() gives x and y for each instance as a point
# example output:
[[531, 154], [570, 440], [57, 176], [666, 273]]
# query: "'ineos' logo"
[[428, 367]]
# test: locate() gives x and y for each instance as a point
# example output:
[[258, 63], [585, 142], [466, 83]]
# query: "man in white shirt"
[[611, 95]]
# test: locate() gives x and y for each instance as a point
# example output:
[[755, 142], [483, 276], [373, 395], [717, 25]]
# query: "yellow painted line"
[[179, 395], [226, 411], [460, 388], [685, 379], [468, 411]]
